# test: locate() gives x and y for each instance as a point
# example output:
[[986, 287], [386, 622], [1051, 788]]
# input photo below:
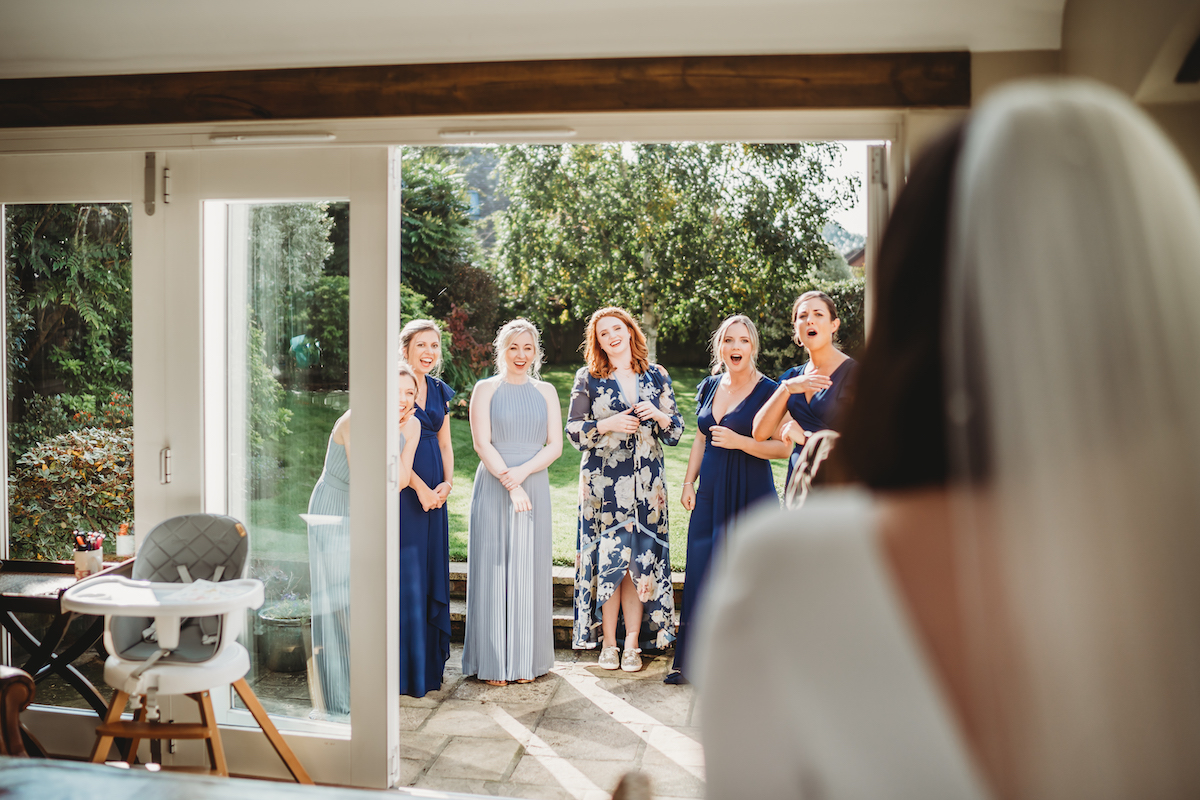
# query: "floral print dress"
[[622, 506]]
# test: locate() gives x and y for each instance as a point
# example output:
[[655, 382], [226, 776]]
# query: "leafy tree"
[[268, 417], [289, 247], [329, 325], [436, 235], [681, 234], [68, 275]]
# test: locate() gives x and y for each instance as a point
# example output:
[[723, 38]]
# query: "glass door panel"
[[288, 348], [282, 355]]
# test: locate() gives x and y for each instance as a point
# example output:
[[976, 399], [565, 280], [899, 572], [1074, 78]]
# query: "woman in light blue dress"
[[329, 555], [516, 426]]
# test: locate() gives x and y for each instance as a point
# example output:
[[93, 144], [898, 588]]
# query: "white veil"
[[1073, 377]]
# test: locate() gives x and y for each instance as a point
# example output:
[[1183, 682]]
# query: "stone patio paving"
[[571, 734]]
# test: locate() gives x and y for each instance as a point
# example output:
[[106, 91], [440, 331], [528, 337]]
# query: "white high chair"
[[173, 630]]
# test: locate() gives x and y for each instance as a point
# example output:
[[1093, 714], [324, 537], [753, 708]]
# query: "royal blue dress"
[[821, 413], [730, 482], [425, 559]]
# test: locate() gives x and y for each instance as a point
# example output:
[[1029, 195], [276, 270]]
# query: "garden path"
[[570, 734]]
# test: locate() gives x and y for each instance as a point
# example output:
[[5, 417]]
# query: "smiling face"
[[814, 324], [737, 348], [408, 393], [520, 354], [613, 337], [424, 351]]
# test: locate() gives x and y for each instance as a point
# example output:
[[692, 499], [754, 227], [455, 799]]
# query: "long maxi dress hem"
[[329, 581]]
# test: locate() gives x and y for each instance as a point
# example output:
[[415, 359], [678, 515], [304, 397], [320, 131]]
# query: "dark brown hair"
[[597, 359], [894, 432]]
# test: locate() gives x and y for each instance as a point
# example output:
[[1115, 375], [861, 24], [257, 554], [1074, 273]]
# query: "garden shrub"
[[465, 360], [78, 480]]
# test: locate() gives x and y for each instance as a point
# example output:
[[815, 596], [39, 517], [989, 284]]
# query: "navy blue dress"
[[425, 560], [821, 413], [730, 482]]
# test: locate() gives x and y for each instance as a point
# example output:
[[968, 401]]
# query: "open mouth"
[[520, 364], [811, 332], [735, 358]]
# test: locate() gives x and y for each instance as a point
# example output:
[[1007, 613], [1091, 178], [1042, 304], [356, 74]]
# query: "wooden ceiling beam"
[[825, 81]]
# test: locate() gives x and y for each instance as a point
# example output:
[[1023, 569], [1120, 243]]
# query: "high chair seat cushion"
[[191, 650], [177, 678]]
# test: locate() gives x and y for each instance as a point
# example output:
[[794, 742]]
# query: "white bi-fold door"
[[264, 302]]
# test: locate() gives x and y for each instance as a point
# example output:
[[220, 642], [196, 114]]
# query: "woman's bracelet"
[[689, 483]]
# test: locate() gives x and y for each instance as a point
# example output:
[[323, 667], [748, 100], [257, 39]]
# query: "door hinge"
[[150, 187], [166, 185], [164, 465]]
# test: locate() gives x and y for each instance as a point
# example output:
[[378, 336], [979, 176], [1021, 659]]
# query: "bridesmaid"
[[622, 413], [516, 425], [424, 523], [732, 467], [328, 520], [812, 395]]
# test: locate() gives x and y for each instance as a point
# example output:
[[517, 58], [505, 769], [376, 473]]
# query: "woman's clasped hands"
[[511, 479], [625, 422], [628, 420]]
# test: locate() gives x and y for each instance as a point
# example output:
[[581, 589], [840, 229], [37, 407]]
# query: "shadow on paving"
[[569, 734]]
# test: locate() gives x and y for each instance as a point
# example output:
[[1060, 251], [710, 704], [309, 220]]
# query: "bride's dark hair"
[[894, 432]]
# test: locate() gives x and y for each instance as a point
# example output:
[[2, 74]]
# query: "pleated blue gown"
[[730, 482], [425, 560], [329, 575], [510, 625]]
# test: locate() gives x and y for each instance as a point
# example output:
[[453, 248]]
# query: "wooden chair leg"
[[138, 716], [103, 743], [277, 741], [216, 753]]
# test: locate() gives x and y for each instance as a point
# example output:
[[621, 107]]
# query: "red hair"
[[597, 360]]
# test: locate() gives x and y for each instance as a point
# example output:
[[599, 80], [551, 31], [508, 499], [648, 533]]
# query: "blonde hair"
[[410, 331], [597, 360], [504, 337], [718, 364], [404, 369]]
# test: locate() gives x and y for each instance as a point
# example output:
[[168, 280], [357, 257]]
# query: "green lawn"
[[278, 530], [564, 473]]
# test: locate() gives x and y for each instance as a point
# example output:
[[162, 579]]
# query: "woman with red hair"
[[622, 413]]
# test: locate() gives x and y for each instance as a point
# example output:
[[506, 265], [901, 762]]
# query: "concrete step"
[[564, 584], [564, 620]]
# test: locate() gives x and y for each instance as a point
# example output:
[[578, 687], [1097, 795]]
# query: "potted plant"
[[287, 633]]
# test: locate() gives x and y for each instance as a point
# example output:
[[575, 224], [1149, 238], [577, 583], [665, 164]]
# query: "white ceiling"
[[104, 37]]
